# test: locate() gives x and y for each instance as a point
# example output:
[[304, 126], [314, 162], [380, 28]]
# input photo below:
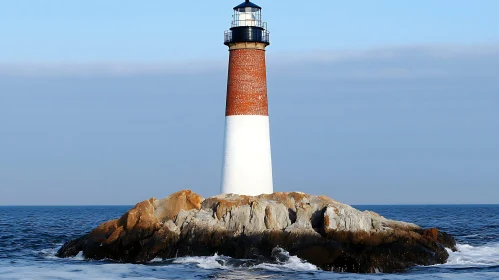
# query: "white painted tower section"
[[247, 167]]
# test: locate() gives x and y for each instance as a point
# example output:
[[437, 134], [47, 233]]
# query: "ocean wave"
[[73, 272], [285, 261], [466, 256], [213, 262], [50, 253], [471, 256], [281, 261], [469, 262]]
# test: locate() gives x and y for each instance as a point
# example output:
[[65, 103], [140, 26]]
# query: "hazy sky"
[[371, 102]]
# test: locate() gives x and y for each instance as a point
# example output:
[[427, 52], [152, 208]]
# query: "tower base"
[[247, 168]]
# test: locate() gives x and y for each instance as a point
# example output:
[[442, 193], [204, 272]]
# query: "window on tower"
[[247, 16]]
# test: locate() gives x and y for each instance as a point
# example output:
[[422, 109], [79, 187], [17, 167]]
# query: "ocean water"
[[30, 237]]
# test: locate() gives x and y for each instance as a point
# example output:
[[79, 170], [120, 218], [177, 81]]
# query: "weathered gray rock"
[[342, 217], [329, 234]]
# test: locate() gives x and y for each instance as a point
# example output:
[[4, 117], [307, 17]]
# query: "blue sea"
[[30, 237]]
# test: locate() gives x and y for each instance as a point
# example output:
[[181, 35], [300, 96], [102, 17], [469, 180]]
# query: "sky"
[[371, 102]]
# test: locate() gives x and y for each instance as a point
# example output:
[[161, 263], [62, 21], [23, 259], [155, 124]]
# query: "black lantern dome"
[[247, 4], [247, 25]]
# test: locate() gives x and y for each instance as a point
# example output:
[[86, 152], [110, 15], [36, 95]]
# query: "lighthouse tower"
[[247, 166]]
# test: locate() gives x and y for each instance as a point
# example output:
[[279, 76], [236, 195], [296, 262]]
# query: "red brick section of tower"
[[247, 83]]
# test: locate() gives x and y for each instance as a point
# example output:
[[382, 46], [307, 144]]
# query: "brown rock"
[[139, 235], [102, 232], [168, 208], [224, 204], [117, 233], [431, 233]]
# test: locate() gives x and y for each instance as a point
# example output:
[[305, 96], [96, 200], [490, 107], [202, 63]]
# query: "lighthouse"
[[247, 163]]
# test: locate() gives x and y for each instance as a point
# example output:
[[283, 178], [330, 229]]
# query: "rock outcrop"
[[324, 232]]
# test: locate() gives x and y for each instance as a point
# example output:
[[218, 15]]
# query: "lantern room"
[[247, 14], [247, 25]]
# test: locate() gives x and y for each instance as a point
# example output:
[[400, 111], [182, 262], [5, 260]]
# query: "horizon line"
[[353, 204]]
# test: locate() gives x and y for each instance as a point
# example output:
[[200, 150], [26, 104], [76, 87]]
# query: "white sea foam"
[[471, 256], [49, 253], [287, 262], [283, 262], [213, 262], [227, 268], [79, 257]]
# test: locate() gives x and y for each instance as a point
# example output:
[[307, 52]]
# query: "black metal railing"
[[263, 38], [227, 36], [249, 22]]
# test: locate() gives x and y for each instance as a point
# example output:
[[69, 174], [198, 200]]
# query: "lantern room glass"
[[247, 16]]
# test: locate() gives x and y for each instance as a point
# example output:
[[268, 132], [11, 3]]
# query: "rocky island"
[[331, 235]]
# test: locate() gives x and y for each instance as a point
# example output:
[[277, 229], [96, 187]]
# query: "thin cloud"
[[105, 69], [437, 61]]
